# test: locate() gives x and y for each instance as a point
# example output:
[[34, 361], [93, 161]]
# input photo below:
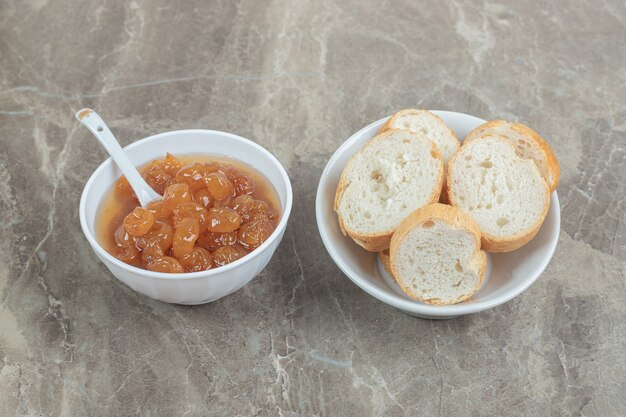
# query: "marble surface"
[[299, 77]]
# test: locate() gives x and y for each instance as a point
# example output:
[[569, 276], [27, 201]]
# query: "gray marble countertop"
[[299, 78]]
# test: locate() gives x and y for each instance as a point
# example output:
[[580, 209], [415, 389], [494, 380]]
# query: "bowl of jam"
[[224, 206]]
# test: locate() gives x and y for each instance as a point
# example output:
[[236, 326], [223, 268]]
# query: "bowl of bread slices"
[[441, 214]]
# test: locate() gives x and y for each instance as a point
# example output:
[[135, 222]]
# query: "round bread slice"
[[429, 124], [505, 194], [528, 144], [395, 173], [435, 255]]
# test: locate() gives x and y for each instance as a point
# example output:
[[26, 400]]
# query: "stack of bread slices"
[[431, 207]]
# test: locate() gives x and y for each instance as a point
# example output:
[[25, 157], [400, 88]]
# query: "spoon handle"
[[101, 131]]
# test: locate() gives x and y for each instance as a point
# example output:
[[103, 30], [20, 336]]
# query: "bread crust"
[[376, 242], [387, 125], [385, 260], [455, 218], [492, 243], [551, 162]]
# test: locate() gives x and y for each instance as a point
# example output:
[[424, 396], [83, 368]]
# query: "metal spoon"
[[101, 131]]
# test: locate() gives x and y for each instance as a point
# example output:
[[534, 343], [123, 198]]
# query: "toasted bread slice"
[[505, 194], [428, 124], [395, 173], [528, 144], [435, 255]]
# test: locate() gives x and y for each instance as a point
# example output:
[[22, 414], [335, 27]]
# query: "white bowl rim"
[[187, 275], [417, 307]]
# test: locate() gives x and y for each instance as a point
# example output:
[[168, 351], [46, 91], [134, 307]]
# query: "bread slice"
[[428, 124], [505, 194], [528, 144], [395, 173], [435, 255]]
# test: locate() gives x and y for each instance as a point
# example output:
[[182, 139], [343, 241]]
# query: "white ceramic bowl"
[[197, 287], [508, 274]]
